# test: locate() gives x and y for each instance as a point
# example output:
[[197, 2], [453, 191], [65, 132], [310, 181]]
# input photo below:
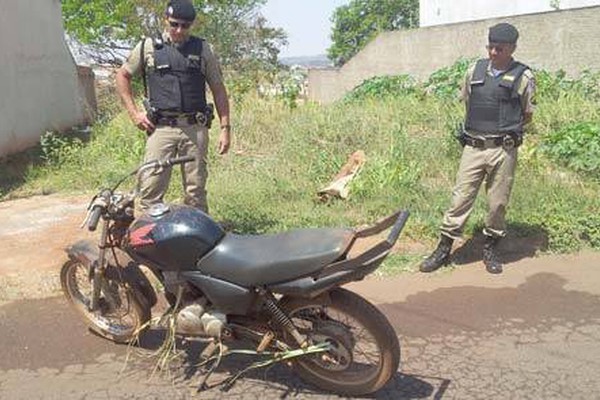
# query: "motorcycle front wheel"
[[121, 315], [365, 352]]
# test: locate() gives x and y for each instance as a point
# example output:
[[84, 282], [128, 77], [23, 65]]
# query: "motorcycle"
[[283, 292]]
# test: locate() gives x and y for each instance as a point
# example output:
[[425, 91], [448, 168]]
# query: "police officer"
[[177, 67], [498, 94]]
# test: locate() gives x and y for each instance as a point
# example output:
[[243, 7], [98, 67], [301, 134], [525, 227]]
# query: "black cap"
[[503, 33], [181, 9]]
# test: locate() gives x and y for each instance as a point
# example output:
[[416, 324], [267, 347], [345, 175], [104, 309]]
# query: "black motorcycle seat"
[[254, 260]]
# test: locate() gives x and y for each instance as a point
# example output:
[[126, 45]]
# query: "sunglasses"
[[182, 25], [498, 48]]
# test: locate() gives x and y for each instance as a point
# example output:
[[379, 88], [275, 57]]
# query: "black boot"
[[439, 257], [490, 255]]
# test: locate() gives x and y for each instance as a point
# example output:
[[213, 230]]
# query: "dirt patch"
[[34, 233]]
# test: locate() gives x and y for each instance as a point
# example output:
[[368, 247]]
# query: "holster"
[[151, 112], [206, 116], [460, 134], [517, 139]]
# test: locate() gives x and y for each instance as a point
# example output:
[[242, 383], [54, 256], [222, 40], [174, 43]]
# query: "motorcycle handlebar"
[[94, 218], [98, 206], [101, 202], [157, 164], [178, 160]]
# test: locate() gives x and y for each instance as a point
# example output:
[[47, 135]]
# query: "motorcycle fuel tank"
[[173, 237]]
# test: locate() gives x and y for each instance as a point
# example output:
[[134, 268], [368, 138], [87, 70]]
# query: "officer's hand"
[[224, 141], [140, 119]]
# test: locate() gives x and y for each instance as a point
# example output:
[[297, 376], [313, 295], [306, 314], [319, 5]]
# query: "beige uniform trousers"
[[168, 142], [497, 166]]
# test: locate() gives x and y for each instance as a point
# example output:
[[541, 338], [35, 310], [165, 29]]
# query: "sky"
[[306, 22]]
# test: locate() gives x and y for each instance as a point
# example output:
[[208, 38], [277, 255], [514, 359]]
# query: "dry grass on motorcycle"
[[211, 357]]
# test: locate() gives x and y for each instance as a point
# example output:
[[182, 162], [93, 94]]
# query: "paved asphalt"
[[531, 333]]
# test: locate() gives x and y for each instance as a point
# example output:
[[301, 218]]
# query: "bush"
[[576, 146], [383, 87], [59, 148], [566, 231], [554, 85], [446, 83]]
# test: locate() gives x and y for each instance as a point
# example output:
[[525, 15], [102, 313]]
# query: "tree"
[[105, 29], [108, 29], [355, 24]]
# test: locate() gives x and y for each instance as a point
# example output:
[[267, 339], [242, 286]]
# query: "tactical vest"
[[494, 104], [176, 82]]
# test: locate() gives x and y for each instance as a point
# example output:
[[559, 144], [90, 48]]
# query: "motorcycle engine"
[[188, 319], [196, 319]]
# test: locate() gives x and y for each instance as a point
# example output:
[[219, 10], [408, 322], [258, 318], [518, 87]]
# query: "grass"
[[281, 157]]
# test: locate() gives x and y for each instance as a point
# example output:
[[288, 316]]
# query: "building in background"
[[439, 12], [564, 39], [42, 88]]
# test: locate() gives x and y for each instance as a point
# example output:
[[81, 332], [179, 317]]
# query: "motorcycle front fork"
[[98, 267]]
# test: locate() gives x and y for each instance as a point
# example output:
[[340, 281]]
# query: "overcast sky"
[[306, 22]]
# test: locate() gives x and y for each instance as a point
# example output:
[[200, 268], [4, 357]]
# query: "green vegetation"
[[383, 87], [246, 45], [360, 21], [577, 146], [445, 83], [282, 156]]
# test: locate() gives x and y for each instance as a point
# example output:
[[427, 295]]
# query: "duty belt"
[[486, 143], [177, 120]]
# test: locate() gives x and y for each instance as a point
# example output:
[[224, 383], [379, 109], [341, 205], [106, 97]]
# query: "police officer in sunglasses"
[[176, 69], [498, 94]]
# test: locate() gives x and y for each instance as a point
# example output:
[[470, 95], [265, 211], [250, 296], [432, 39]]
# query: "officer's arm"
[[221, 102], [214, 78], [139, 118], [466, 86], [123, 81], [132, 66], [528, 97]]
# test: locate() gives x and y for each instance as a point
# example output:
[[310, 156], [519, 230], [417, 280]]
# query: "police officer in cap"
[[498, 94], [176, 68]]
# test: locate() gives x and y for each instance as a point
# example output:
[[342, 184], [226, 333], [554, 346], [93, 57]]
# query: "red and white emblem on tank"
[[141, 236]]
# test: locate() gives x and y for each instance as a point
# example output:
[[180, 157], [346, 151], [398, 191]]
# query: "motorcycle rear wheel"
[[356, 330], [120, 318]]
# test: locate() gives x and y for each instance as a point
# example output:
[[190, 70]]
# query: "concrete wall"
[[38, 77], [567, 40], [437, 12]]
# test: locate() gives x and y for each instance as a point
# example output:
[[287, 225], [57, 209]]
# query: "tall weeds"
[[282, 156]]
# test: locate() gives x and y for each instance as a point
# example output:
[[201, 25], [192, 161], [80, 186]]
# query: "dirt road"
[[530, 333]]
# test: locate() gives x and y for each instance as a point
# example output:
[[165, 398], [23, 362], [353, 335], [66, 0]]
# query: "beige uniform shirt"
[[209, 65], [526, 88]]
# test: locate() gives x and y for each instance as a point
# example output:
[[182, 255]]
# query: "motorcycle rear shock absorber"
[[281, 318]]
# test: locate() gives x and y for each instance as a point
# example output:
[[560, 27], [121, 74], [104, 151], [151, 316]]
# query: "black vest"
[[176, 82], [494, 104]]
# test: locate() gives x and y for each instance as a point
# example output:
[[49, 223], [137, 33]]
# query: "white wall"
[[38, 78], [562, 40], [437, 12]]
